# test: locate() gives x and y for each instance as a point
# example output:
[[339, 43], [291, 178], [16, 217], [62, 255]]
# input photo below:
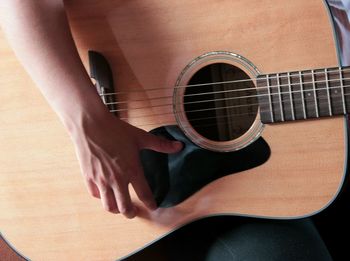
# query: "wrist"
[[82, 110]]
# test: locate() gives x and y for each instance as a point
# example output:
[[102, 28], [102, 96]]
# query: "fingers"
[[115, 196], [114, 193], [123, 199], [112, 188], [93, 189], [108, 199], [114, 200], [111, 168], [143, 190], [153, 142]]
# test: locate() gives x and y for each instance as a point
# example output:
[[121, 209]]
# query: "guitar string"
[[235, 98], [236, 90], [229, 91], [186, 126], [214, 124], [255, 104], [311, 106], [284, 102], [336, 72]]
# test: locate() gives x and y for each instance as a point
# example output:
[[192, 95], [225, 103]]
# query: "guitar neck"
[[304, 94]]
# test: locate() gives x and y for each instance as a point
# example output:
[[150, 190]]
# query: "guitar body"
[[46, 212]]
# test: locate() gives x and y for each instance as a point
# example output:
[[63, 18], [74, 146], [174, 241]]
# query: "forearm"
[[38, 32], [107, 148]]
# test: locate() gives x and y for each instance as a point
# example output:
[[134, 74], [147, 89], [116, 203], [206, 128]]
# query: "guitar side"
[[46, 212]]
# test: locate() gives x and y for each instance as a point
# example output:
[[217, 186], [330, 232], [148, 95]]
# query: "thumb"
[[160, 144]]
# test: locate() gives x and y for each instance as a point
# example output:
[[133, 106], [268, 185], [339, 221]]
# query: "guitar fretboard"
[[305, 94]]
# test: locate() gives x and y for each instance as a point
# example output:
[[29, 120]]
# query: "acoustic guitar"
[[254, 86]]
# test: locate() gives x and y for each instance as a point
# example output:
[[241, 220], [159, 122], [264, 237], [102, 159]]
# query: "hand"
[[107, 148], [108, 153]]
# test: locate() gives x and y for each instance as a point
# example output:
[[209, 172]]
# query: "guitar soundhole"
[[225, 109]]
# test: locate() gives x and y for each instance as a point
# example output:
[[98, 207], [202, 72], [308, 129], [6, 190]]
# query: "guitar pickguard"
[[175, 177]]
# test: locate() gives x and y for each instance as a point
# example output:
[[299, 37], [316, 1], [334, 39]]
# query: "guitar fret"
[[310, 99], [269, 97], [279, 95], [264, 99], [342, 88], [296, 96], [285, 92], [328, 92], [335, 91], [315, 97], [302, 94], [277, 105], [346, 84], [290, 96], [321, 93]]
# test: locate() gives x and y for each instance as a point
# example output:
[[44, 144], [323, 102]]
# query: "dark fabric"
[[175, 177], [236, 238]]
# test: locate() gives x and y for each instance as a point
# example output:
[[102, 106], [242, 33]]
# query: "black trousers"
[[239, 238]]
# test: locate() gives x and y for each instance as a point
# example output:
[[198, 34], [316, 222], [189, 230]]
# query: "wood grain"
[[46, 212]]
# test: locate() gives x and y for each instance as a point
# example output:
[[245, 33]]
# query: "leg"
[[238, 238]]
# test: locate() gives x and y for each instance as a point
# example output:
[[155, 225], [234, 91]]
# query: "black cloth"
[[239, 238]]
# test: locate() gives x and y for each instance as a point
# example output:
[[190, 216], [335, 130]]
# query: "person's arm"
[[107, 148]]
